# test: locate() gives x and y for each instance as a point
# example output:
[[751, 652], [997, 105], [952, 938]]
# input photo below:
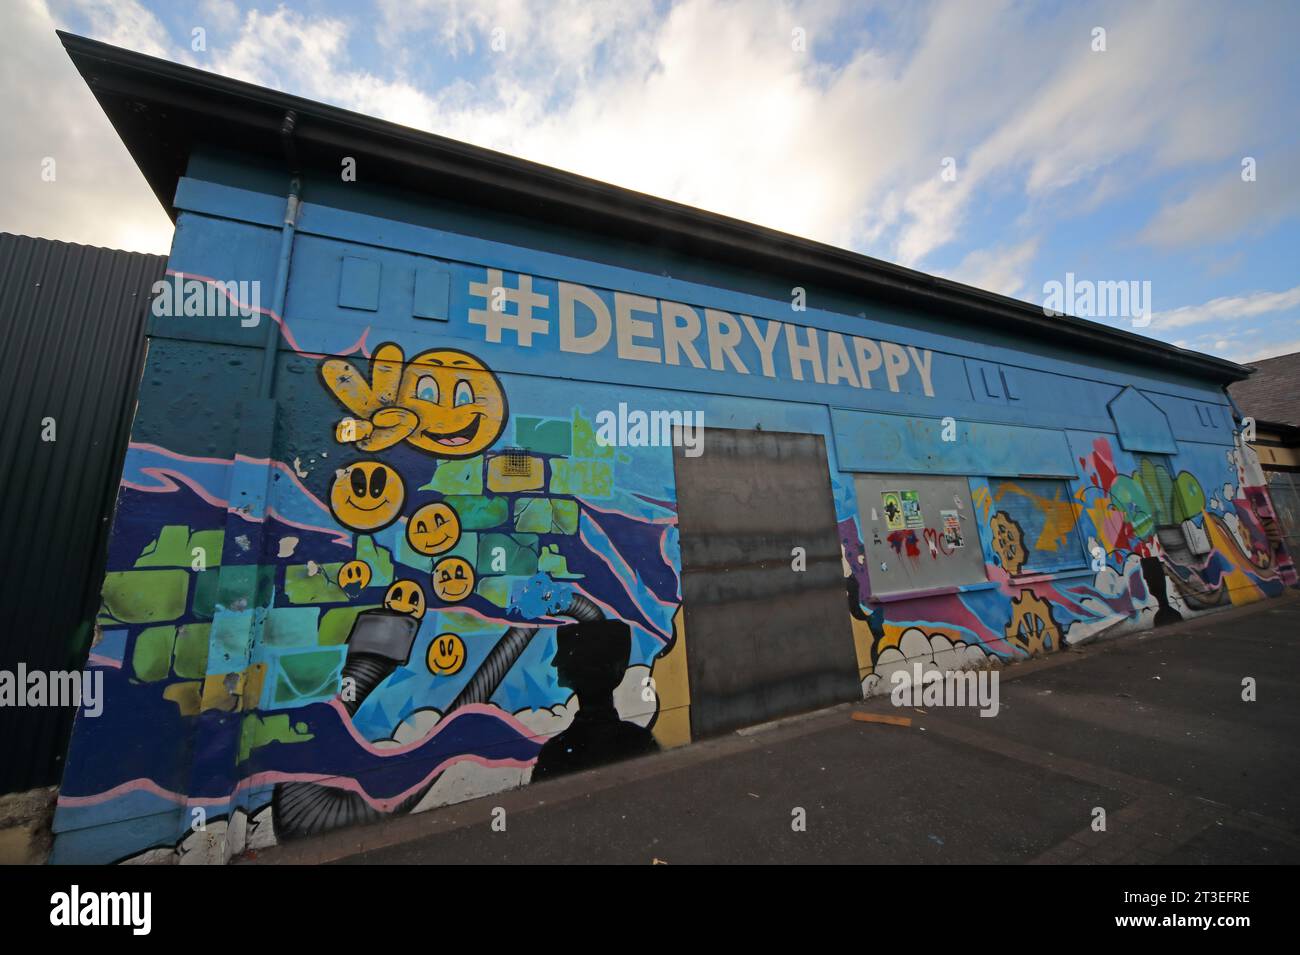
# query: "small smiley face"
[[406, 596], [433, 529], [354, 577], [367, 496], [446, 654], [453, 579]]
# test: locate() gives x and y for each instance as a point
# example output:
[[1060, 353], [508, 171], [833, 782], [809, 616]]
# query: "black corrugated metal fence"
[[73, 323]]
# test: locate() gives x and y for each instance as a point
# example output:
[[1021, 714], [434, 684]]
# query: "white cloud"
[[1226, 206], [706, 102], [933, 652], [1000, 270], [1249, 354], [127, 23], [222, 14], [98, 197], [1229, 309]]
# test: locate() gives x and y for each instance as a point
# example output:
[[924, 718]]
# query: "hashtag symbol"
[[495, 316]]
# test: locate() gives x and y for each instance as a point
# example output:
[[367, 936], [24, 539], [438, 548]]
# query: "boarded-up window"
[[919, 532], [1034, 527]]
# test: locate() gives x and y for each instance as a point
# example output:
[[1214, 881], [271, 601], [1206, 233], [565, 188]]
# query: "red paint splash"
[[900, 539]]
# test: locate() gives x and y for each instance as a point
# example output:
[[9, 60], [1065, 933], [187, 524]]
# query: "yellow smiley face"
[[446, 654], [433, 529], [354, 577], [453, 579], [367, 496], [406, 596], [459, 403]]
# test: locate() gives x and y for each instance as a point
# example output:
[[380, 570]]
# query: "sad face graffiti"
[[443, 401], [367, 496], [354, 577]]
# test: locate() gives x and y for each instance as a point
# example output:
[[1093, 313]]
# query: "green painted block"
[[466, 547], [381, 563], [336, 625], [290, 626], [458, 477], [308, 675], [151, 659], [211, 543], [592, 479], [551, 562], [533, 515], [146, 596], [464, 624], [319, 588], [256, 731], [481, 512], [564, 517], [241, 586], [496, 590], [205, 592], [544, 435], [171, 549], [238, 582], [191, 659], [585, 444], [517, 555], [229, 641]]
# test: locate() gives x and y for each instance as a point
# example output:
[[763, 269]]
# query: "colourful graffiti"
[[1008, 542], [442, 401], [1159, 549], [428, 622], [457, 589]]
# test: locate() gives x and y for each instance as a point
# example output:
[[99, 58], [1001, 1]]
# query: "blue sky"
[[828, 120]]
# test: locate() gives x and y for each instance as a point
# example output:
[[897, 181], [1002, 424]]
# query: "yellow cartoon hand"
[[379, 422]]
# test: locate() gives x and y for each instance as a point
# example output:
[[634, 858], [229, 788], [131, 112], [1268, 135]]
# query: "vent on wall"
[[516, 463]]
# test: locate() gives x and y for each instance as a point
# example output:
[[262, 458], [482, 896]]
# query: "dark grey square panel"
[[762, 639]]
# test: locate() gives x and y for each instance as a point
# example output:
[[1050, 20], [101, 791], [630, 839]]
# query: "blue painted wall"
[[230, 604]]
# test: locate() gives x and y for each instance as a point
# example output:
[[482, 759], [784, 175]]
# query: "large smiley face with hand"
[[460, 404], [443, 401]]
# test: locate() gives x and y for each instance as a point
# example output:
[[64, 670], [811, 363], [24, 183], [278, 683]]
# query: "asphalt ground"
[[1151, 728]]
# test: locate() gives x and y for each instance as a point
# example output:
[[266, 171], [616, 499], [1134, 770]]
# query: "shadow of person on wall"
[[591, 659]]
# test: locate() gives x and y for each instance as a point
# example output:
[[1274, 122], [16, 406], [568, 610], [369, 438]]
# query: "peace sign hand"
[[380, 422]]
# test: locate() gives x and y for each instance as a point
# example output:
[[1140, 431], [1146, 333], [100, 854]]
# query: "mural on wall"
[[1158, 549], [445, 599], [437, 584]]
